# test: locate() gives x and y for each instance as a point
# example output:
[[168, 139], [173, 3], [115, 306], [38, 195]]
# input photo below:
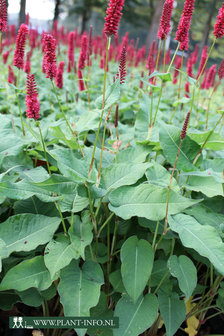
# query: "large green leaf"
[[172, 310], [112, 95], [23, 190], [215, 141], [202, 238], [170, 140], [158, 175], [205, 184], [25, 232], [81, 234], [58, 254], [136, 154], [135, 318], [79, 288], [73, 167], [146, 200], [121, 174], [184, 270], [137, 261], [29, 273]]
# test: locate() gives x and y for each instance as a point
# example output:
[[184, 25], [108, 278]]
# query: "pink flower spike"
[[32, 102], [59, 75], [3, 16], [182, 35], [219, 25], [112, 20], [221, 71], [164, 27], [18, 59], [49, 62]]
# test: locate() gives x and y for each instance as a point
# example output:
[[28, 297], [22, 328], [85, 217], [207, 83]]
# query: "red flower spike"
[[59, 75], [168, 57], [81, 82], [11, 76], [122, 66], [182, 34], [32, 102], [164, 27], [83, 52], [211, 77], [219, 25], [90, 45], [3, 16], [195, 54], [221, 71], [184, 129], [187, 90], [27, 20], [50, 65], [204, 56], [71, 48], [113, 17], [27, 66], [190, 67], [5, 56], [18, 59]]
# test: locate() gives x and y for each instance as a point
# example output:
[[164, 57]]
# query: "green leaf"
[[116, 281], [81, 234], [184, 270], [70, 166], [23, 190], [159, 176], [165, 77], [58, 254], [88, 121], [173, 311], [137, 261], [135, 318], [205, 184], [29, 273], [112, 95], [26, 231], [202, 238], [146, 200], [170, 140], [76, 285], [121, 174], [215, 141], [135, 154], [184, 100]]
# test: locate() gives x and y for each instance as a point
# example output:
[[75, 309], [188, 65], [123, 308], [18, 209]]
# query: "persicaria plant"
[[112, 171]]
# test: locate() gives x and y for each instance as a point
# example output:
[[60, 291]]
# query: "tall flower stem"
[[168, 192], [158, 56], [209, 103], [20, 112], [174, 56], [103, 106], [209, 54], [49, 171], [102, 147], [164, 55], [67, 122]]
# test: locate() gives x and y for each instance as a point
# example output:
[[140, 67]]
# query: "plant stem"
[[164, 55], [105, 224], [158, 56], [155, 235], [174, 56], [49, 171], [20, 112], [91, 209], [168, 192], [103, 106]]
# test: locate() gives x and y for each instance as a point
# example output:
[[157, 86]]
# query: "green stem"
[[105, 224], [164, 55], [91, 209], [158, 56], [20, 112], [174, 56], [161, 281], [155, 235], [103, 106], [157, 107]]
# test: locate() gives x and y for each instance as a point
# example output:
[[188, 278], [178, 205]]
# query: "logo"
[[18, 322]]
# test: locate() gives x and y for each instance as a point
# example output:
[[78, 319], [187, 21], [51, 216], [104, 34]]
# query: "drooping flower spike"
[[219, 25], [18, 59], [112, 20], [164, 27], [3, 16], [182, 35], [32, 102]]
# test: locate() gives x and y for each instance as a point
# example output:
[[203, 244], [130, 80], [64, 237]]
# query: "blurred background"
[[140, 18]]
